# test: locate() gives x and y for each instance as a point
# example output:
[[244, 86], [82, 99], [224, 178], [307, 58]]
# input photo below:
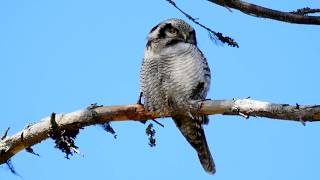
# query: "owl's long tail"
[[192, 130]]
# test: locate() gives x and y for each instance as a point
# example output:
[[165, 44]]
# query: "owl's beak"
[[185, 37], [189, 38]]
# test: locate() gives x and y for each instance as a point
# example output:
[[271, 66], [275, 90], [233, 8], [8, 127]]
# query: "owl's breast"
[[186, 69], [173, 75]]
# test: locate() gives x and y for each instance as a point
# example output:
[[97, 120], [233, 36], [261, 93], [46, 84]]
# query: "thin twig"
[[223, 39], [305, 11], [5, 134], [158, 122]]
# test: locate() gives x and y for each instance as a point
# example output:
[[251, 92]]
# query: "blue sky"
[[60, 56]]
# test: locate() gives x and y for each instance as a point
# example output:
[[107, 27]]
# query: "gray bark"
[[35, 133]]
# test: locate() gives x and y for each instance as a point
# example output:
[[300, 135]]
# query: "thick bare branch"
[[35, 133], [297, 17]]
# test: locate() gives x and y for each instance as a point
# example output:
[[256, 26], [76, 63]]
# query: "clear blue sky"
[[60, 56]]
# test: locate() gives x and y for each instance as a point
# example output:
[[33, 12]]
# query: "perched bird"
[[175, 73]]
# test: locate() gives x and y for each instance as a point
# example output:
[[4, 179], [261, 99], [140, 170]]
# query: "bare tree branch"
[[44, 129], [297, 17]]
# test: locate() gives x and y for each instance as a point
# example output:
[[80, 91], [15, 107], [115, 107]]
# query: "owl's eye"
[[174, 31]]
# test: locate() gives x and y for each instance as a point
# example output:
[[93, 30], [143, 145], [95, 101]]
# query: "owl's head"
[[172, 31]]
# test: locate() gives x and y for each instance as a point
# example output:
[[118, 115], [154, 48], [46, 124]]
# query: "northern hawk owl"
[[174, 73]]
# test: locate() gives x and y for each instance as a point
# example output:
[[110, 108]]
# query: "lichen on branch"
[[64, 127]]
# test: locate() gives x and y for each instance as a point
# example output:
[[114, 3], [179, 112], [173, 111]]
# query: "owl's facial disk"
[[174, 32]]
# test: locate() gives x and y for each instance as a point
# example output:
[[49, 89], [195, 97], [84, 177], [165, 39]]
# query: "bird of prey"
[[175, 73]]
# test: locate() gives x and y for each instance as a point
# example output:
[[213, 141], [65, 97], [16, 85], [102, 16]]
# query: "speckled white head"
[[172, 31]]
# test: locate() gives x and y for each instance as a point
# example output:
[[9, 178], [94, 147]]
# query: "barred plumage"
[[175, 72]]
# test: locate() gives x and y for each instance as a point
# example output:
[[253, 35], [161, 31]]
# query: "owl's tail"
[[192, 130]]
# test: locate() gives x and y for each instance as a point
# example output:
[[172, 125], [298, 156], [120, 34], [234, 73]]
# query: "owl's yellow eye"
[[174, 31]]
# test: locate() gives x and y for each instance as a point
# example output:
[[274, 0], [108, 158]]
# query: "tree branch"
[[298, 17], [35, 133]]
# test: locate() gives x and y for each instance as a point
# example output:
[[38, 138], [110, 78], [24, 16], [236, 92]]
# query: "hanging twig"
[[218, 35]]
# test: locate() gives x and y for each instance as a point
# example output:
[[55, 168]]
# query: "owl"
[[175, 73]]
